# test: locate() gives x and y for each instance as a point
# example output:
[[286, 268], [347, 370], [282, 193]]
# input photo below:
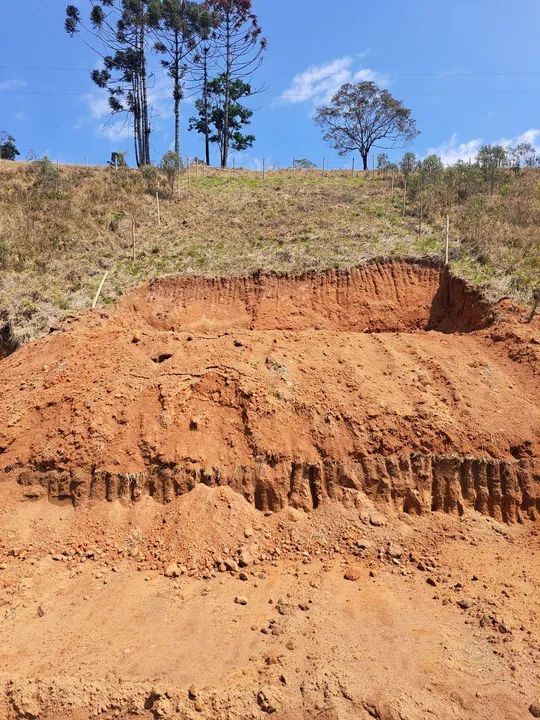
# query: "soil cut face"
[[304, 497], [394, 380]]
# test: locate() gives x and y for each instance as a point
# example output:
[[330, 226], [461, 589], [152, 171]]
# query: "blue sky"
[[468, 69]]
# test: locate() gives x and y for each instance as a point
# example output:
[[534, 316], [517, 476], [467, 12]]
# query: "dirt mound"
[[230, 499], [394, 381]]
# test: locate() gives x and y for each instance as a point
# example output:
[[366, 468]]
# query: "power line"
[[443, 74], [410, 93]]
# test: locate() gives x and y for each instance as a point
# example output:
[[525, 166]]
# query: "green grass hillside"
[[62, 228]]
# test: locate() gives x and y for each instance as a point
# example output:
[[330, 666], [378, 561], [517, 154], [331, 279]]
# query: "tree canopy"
[[223, 123], [8, 149], [363, 115]]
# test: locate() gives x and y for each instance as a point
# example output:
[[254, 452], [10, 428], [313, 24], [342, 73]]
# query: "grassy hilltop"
[[62, 228]]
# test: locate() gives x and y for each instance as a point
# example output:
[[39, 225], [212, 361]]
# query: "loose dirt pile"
[[218, 497]]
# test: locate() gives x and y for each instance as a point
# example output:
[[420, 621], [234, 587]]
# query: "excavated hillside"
[[394, 379], [308, 496]]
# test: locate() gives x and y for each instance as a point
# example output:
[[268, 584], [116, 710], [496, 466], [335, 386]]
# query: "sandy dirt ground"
[[313, 497]]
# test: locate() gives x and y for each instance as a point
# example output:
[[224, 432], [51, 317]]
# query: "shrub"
[[150, 175], [118, 160], [47, 176], [170, 165]]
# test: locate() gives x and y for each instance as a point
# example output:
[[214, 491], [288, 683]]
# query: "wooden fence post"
[[404, 196], [352, 169], [447, 251]]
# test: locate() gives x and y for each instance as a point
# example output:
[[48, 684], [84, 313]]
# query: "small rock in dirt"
[[245, 559], [231, 565], [40, 611], [243, 576], [394, 551], [464, 603], [431, 581], [352, 574], [241, 600], [363, 545], [267, 700], [377, 520], [172, 571], [534, 709]]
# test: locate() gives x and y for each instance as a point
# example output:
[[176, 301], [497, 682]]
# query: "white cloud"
[[110, 127], [12, 84], [529, 136], [115, 128], [451, 151], [319, 82]]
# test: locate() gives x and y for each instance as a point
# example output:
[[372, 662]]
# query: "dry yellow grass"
[[60, 231]]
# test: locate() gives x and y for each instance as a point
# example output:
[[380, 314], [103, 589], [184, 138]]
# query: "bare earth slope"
[[287, 390], [218, 497]]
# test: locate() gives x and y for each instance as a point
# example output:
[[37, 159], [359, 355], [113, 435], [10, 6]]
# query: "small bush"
[[150, 175], [118, 160], [47, 176], [170, 166]]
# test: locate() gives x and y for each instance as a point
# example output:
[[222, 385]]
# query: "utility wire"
[[413, 93], [443, 74]]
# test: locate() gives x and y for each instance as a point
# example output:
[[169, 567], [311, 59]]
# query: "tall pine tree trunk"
[[177, 94], [144, 92], [225, 150], [205, 100]]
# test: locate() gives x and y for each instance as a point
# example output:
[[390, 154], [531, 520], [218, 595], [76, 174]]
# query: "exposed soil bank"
[[393, 381], [394, 296]]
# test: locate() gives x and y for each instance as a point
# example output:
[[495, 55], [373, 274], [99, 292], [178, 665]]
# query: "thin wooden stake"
[[158, 208], [447, 252], [133, 240], [100, 288], [352, 169], [404, 196]]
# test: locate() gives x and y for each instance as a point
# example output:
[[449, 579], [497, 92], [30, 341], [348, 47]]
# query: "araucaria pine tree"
[[124, 29], [239, 45], [179, 33]]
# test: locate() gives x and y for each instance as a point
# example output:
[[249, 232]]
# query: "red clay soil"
[[394, 380], [219, 499]]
